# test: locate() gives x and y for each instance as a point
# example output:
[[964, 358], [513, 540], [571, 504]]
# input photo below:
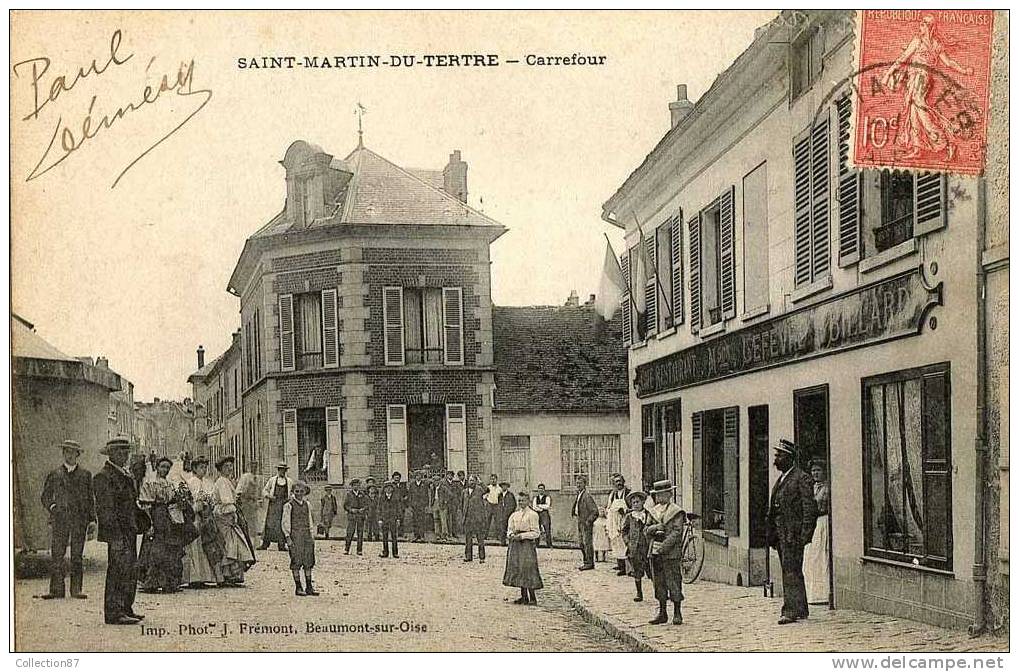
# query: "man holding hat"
[[277, 490], [665, 534], [792, 515], [67, 496], [120, 523]]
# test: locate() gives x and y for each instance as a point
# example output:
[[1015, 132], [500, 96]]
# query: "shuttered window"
[[726, 253], [849, 194], [677, 268], [713, 263], [651, 285], [811, 176], [695, 274], [626, 303], [730, 451], [330, 332], [286, 306], [930, 203], [456, 437], [663, 238], [392, 319], [334, 445], [453, 327], [396, 438], [716, 469]]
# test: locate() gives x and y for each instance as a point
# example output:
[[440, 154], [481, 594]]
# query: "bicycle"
[[692, 557]]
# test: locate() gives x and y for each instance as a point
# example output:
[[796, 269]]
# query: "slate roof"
[[205, 370], [25, 342], [558, 359]]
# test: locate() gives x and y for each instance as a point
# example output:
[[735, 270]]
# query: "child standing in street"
[[328, 511], [636, 542], [600, 539], [299, 538]]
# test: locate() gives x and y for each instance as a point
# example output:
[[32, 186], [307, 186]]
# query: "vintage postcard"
[[498, 331]]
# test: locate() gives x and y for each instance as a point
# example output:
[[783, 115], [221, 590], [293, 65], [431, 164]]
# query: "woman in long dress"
[[237, 554], [166, 538], [522, 534], [198, 571], [815, 556]]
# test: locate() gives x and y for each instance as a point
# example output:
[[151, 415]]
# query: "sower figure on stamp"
[[277, 491], [792, 515], [296, 523], [475, 519], [67, 496], [120, 523], [586, 512], [665, 552], [390, 518], [356, 506]]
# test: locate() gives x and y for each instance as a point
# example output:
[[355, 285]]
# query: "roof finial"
[[359, 111]]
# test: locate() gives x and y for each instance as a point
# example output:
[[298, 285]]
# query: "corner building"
[[790, 296], [366, 321]]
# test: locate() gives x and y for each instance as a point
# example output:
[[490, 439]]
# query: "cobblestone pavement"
[[719, 617], [463, 608]]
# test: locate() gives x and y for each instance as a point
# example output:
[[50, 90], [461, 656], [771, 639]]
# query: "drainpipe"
[[979, 624]]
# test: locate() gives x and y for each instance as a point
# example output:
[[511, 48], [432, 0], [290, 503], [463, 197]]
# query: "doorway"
[[426, 437], [759, 464], [660, 445], [811, 436]]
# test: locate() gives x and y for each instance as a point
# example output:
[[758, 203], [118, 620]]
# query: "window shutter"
[[677, 269], [820, 169], [695, 274], [849, 190], [290, 436], [453, 324], [330, 335], [392, 318], [396, 438], [651, 287], [698, 475], [937, 466], [727, 251], [334, 445], [929, 207], [626, 303], [286, 332], [801, 207], [456, 437], [730, 461]]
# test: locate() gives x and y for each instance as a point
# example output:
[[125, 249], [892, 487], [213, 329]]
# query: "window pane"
[[895, 532], [412, 325], [936, 505], [432, 313], [710, 312], [913, 464], [664, 289], [935, 417], [896, 209]]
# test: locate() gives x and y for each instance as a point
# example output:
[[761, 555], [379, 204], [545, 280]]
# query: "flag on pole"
[[612, 285]]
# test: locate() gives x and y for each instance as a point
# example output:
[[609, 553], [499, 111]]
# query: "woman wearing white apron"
[[815, 557]]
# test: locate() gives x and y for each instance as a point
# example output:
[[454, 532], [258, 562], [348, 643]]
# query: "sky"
[[137, 272]]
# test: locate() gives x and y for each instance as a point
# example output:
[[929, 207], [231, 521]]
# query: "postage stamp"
[[922, 89]]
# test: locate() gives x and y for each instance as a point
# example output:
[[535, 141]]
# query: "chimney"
[[454, 177], [590, 300], [681, 106], [574, 300], [201, 357], [102, 363]]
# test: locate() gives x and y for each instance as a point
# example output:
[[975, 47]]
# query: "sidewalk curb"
[[636, 642]]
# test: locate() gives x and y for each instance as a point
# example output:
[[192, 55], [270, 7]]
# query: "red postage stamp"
[[922, 86]]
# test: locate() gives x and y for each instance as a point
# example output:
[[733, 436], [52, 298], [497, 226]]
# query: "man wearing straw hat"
[[120, 523], [792, 515], [665, 534], [67, 496]]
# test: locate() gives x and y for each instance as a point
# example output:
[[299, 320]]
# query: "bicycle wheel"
[[693, 558]]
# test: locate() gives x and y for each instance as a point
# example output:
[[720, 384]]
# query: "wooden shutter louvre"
[[456, 437], [677, 269], [626, 304], [929, 203], [392, 319], [850, 190], [730, 462], [727, 251], [330, 332], [801, 208], [697, 475], [290, 436], [695, 274], [287, 359], [453, 327], [651, 286], [334, 446], [820, 176], [396, 438]]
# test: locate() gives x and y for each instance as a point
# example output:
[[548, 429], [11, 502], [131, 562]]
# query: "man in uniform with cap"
[[665, 534], [120, 523], [277, 490], [792, 515], [67, 496]]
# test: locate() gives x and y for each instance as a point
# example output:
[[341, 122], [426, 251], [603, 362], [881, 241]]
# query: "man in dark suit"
[[390, 513], [120, 523], [507, 505], [401, 493], [792, 515], [420, 501], [356, 505], [67, 496], [586, 512], [475, 519]]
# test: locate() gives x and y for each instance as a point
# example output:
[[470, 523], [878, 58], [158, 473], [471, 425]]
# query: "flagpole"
[[658, 281], [615, 257]]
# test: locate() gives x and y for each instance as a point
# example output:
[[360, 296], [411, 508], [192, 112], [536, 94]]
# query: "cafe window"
[[908, 475], [593, 455], [716, 469]]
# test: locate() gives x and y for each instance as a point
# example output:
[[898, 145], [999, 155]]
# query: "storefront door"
[[811, 432], [759, 470], [426, 437]]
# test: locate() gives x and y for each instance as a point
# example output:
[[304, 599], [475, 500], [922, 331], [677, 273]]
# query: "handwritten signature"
[[76, 133]]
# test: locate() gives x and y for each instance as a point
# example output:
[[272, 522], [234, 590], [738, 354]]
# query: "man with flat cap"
[[277, 490], [792, 515], [67, 496], [120, 522]]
